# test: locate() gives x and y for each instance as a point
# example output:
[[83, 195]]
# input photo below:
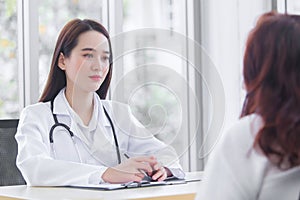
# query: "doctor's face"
[[88, 63]]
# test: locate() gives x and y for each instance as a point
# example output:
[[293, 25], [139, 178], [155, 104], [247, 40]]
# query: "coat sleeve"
[[34, 156]]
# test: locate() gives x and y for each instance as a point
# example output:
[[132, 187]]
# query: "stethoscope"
[[58, 124]]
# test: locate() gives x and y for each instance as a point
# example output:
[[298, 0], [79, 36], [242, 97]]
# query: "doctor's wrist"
[[106, 176], [115, 175]]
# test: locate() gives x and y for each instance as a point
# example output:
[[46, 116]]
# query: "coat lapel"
[[102, 146]]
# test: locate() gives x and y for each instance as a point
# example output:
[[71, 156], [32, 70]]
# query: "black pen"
[[140, 170]]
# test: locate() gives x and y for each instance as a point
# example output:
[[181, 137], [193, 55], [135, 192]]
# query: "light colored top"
[[237, 171], [83, 160]]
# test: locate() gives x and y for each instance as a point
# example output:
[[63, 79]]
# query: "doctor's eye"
[[88, 55], [105, 58]]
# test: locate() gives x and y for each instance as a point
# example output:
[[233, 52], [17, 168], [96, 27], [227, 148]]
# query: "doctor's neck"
[[81, 102]]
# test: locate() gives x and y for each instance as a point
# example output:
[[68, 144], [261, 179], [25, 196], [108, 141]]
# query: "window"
[[289, 6], [9, 97], [225, 26], [151, 69]]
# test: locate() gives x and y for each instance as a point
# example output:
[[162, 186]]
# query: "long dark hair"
[[272, 80], [66, 42]]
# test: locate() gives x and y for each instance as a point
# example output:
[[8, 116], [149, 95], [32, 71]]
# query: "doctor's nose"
[[99, 65]]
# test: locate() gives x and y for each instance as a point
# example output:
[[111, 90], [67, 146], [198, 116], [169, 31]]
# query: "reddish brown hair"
[[66, 42], [272, 80]]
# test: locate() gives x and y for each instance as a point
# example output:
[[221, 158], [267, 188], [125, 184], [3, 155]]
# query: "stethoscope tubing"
[[58, 124]]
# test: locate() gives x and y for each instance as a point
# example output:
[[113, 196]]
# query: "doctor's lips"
[[95, 77]]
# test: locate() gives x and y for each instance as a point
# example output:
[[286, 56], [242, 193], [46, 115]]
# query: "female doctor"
[[74, 136]]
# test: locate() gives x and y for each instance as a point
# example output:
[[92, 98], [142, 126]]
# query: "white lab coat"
[[85, 160]]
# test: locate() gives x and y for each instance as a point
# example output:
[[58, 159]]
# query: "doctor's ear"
[[61, 61]]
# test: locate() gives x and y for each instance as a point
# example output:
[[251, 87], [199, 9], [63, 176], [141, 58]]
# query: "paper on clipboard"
[[103, 186]]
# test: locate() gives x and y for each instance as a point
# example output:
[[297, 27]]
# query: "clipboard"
[[109, 186]]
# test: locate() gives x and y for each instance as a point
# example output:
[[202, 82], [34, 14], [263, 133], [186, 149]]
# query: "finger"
[[130, 170], [141, 175], [135, 177], [149, 159], [157, 166], [143, 166], [151, 173], [164, 175], [158, 174]]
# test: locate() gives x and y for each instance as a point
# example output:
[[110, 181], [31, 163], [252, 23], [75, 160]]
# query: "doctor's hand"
[[130, 170], [159, 172]]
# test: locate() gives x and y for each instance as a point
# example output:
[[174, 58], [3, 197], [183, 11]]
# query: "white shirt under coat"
[[85, 160]]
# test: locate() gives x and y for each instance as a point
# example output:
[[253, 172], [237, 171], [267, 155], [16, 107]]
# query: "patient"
[[259, 157]]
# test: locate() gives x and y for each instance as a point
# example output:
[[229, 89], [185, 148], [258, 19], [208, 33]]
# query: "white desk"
[[181, 191]]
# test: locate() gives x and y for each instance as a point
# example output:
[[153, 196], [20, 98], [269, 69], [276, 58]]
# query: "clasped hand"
[[132, 170]]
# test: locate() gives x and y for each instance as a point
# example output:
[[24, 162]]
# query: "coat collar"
[[62, 107]]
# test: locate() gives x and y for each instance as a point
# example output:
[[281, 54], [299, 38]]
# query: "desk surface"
[[181, 191]]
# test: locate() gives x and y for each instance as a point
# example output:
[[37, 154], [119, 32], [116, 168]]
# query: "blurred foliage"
[[9, 100], [10, 7]]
